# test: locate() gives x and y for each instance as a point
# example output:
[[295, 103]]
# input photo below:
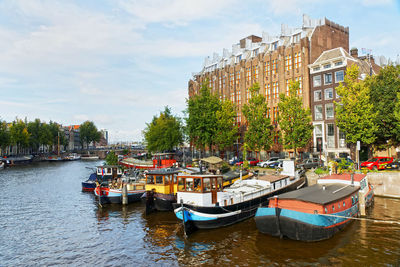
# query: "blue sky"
[[119, 62]]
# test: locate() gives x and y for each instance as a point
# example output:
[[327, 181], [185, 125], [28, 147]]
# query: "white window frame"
[[326, 75], [321, 117], [336, 80], [326, 96], [326, 111], [314, 79], [315, 95]]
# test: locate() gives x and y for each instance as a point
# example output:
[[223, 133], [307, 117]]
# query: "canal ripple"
[[46, 220]]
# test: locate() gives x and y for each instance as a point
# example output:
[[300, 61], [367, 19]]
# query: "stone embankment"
[[385, 183]]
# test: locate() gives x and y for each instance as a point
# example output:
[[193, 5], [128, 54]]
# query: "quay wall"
[[386, 184]]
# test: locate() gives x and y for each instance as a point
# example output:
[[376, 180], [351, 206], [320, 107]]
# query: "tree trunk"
[[353, 151]]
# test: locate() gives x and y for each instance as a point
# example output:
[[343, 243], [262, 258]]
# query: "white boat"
[[2, 164], [203, 203], [89, 157], [73, 156]]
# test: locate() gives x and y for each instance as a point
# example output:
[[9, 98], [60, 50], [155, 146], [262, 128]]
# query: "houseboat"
[[309, 214], [160, 160], [17, 160], [90, 184], [232, 176], [203, 203], [161, 187], [110, 185], [366, 192]]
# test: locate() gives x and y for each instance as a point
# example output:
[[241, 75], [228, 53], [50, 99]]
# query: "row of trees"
[[369, 109], [38, 134], [211, 123]]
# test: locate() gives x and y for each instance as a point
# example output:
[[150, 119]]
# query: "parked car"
[[347, 162], [395, 165], [309, 164], [376, 163], [252, 162], [276, 164], [235, 160], [265, 163]]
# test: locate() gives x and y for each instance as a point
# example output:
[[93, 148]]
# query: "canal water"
[[46, 220]]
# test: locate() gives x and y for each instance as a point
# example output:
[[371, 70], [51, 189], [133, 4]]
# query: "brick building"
[[325, 74], [272, 62]]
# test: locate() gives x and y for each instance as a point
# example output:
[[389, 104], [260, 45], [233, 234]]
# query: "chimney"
[[354, 52]]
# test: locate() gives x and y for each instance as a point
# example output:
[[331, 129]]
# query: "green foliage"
[[245, 161], [111, 158], [227, 131], [89, 133], [164, 132], [384, 90], [201, 123], [4, 135], [259, 134], [19, 134], [355, 114], [225, 167], [294, 120], [125, 151], [397, 110], [320, 171]]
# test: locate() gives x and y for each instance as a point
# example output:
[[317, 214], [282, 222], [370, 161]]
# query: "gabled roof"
[[329, 55]]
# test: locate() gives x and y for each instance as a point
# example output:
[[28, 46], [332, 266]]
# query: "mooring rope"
[[362, 219]]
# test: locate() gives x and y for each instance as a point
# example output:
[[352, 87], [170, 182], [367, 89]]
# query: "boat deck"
[[272, 178]]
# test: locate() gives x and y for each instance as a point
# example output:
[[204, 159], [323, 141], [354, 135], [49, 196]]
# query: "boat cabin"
[[162, 181], [108, 172], [163, 160], [318, 199], [199, 189]]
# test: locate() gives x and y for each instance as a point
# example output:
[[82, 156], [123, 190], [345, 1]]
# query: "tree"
[[295, 121], [227, 131], [34, 128], [4, 136], [164, 132], [111, 158], [384, 89], [259, 134], [89, 133], [201, 123], [355, 114], [19, 134]]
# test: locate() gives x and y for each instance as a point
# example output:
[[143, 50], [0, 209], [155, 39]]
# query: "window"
[[266, 68], [296, 38], [317, 80], [237, 80], [189, 184], [330, 135], [181, 184], [333, 208], [287, 87], [238, 58], [327, 66], [231, 79], [274, 66], [159, 179], [316, 69], [317, 95], [297, 60], [255, 73], [275, 46], [328, 93], [206, 185], [267, 91], [342, 139], [299, 91], [275, 90], [339, 76], [248, 74], [329, 114], [344, 204], [288, 62], [318, 112], [339, 63], [327, 78], [255, 52]]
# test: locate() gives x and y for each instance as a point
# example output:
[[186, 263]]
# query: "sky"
[[118, 63]]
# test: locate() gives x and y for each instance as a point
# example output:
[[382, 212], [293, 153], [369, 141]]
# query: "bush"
[[320, 171], [225, 167]]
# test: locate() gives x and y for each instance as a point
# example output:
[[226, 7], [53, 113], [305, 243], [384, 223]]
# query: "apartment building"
[[326, 73], [272, 62]]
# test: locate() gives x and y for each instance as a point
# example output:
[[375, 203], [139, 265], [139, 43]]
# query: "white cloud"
[[175, 11], [376, 2], [280, 7]]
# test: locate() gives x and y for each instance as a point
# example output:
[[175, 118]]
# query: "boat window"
[[213, 183], [159, 179], [344, 204], [339, 205], [108, 170], [231, 200], [181, 184], [150, 179], [175, 177], [167, 179], [352, 200], [206, 185], [220, 184], [197, 185], [326, 210], [315, 211], [333, 208], [139, 187], [189, 184]]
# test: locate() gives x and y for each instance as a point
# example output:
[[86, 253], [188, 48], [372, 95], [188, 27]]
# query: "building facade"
[[326, 73], [272, 62]]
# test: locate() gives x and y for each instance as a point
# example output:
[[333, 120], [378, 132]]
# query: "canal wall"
[[386, 184]]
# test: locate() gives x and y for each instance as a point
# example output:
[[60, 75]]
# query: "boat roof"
[[318, 195], [163, 171], [109, 166], [272, 178], [345, 177], [197, 175]]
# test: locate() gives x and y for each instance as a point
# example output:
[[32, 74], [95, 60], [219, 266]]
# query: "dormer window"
[[339, 63], [316, 69], [296, 38], [255, 52], [327, 66], [275, 46], [238, 58]]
